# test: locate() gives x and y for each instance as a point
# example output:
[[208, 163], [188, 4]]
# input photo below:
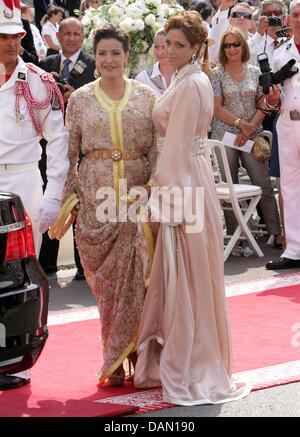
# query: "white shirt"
[[206, 24], [260, 44], [218, 26], [143, 77], [290, 90], [73, 60], [51, 30], [38, 40], [19, 141]]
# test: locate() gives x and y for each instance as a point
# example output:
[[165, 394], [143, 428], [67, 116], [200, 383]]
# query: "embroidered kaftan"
[[110, 252], [184, 339]]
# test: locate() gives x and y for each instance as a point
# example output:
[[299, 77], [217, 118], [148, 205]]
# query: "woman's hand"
[[263, 25], [240, 140], [75, 210], [248, 129], [273, 97]]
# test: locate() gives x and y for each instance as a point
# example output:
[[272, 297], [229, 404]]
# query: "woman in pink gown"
[[184, 341]]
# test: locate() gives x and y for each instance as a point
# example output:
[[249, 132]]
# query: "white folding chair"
[[233, 194]]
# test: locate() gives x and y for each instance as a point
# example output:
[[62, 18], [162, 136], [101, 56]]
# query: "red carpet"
[[266, 342], [262, 328]]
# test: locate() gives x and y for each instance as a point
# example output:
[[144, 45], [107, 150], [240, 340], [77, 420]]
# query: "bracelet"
[[237, 122], [269, 106]]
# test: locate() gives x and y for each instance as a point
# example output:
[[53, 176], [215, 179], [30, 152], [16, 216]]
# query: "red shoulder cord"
[[22, 89]]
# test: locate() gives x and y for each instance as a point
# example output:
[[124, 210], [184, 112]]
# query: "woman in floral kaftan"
[[110, 121]]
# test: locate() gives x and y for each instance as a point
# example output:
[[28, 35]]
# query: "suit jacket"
[[71, 5], [29, 54], [52, 63], [40, 9]]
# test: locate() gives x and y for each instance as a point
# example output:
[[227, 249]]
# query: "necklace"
[[184, 72], [234, 75]]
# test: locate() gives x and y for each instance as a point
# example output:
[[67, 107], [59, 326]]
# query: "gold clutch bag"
[[64, 220], [261, 149]]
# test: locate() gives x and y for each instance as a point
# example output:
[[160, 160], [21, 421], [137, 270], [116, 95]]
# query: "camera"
[[268, 78], [77, 71], [61, 83], [274, 21]]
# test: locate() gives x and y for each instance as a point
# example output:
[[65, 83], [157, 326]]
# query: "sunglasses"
[[239, 14], [270, 13], [227, 45]]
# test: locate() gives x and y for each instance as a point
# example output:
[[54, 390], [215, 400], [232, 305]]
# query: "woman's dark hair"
[[205, 13], [110, 31], [53, 10], [200, 6]]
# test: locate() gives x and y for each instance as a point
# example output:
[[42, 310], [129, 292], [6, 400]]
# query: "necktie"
[[65, 71], [276, 43]]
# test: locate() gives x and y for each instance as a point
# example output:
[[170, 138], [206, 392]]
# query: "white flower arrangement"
[[139, 18]]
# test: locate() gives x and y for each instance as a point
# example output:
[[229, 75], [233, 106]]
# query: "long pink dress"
[[184, 341]]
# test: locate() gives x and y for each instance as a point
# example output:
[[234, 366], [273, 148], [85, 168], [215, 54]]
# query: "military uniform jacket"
[[19, 140], [290, 90]]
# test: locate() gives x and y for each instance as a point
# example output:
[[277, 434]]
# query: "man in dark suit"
[[77, 68], [71, 5], [70, 37], [40, 9]]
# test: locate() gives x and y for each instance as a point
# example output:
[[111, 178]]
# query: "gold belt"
[[114, 154]]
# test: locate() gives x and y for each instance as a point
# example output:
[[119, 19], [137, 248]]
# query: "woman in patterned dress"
[[110, 121], [184, 341], [236, 93]]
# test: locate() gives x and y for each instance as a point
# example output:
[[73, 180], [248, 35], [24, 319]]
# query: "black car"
[[24, 290]]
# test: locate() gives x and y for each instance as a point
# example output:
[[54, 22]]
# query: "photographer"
[[271, 20], [70, 37], [287, 97], [231, 14], [77, 69]]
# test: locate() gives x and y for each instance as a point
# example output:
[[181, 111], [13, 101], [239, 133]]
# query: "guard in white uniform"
[[31, 107], [288, 129], [24, 119]]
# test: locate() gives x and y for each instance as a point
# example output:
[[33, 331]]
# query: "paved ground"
[[283, 401]]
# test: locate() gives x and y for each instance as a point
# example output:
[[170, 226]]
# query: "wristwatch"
[[237, 122]]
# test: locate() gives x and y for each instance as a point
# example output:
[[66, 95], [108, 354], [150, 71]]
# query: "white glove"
[[48, 211]]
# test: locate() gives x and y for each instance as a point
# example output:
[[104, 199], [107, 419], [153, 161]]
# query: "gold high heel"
[[132, 359], [117, 378]]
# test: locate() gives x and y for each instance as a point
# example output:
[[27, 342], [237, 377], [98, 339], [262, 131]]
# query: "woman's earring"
[[194, 58], [97, 73]]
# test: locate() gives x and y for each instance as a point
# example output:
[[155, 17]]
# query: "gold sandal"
[[117, 378], [132, 359]]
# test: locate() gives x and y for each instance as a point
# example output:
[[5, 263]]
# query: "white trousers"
[[289, 160], [28, 185]]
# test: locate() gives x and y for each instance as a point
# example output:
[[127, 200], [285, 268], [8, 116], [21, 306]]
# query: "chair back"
[[219, 160]]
